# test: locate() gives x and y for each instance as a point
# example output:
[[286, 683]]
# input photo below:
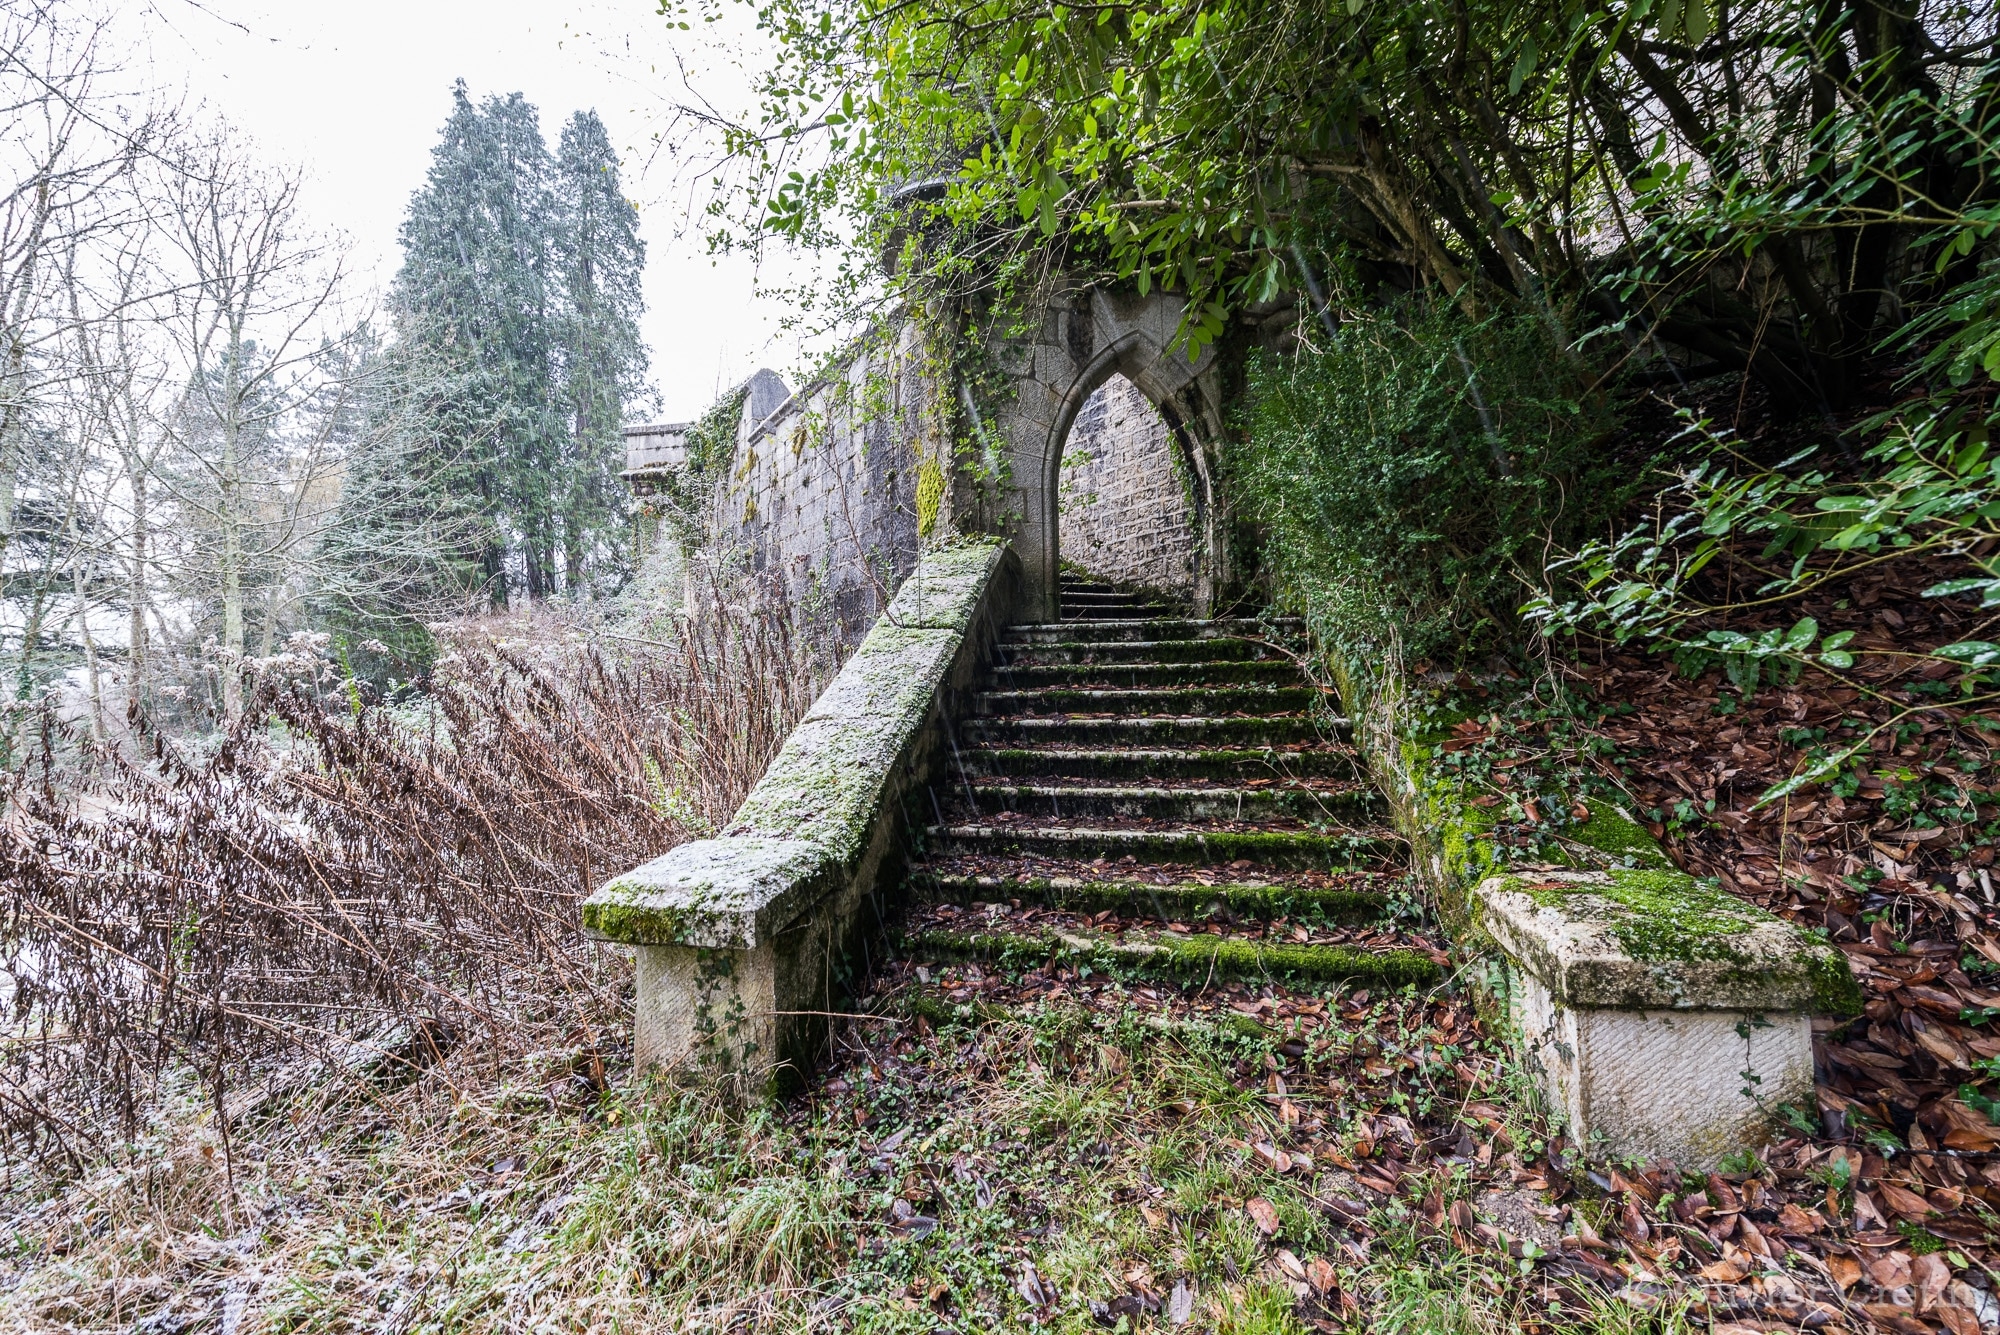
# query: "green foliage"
[[400, 549], [682, 495], [519, 291], [1932, 488], [600, 361], [1389, 505], [1764, 173]]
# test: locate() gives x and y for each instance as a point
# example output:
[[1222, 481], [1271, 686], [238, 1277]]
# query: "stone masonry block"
[[1687, 1085], [1661, 1018], [712, 893], [942, 592], [698, 999], [893, 675], [826, 785]]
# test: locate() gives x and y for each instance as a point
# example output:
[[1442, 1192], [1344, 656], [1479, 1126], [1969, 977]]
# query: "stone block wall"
[[822, 494], [1125, 515]]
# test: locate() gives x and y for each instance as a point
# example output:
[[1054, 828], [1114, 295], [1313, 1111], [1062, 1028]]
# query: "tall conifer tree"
[[520, 287], [599, 258]]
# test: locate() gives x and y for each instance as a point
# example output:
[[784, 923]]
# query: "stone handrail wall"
[[1658, 1017], [741, 939]]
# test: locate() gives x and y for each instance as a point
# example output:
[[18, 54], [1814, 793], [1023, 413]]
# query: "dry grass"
[[367, 887], [1045, 1172]]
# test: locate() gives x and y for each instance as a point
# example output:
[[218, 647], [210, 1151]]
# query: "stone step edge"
[[1156, 659], [1259, 689], [1218, 755], [938, 1011], [1149, 720], [1195, 959], [1214, 845], [1351, 793], [1193, 899], [1286, 623], [1224, 667]]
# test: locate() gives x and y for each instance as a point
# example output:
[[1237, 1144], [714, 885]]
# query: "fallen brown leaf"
[[1263, 1214], [1904, 1202]]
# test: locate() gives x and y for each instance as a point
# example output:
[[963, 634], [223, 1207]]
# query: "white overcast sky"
[[356, 91]]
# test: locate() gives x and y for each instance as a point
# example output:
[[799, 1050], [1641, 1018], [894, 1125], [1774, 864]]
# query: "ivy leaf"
[[1700, 21], [1524, 65], [1972, 653]]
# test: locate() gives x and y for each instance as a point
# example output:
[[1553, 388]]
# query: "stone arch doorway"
[[1125, 510], [1086, 337]]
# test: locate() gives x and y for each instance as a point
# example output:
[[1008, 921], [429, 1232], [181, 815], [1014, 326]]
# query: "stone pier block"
[[1661, 1018]]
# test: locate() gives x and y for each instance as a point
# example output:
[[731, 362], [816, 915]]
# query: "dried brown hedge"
[[406, 876]]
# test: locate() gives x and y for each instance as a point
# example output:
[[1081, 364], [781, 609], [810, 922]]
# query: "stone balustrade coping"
[[808, 822]]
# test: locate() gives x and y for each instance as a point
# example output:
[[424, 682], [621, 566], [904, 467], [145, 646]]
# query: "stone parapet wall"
[[743, 939], [1658, 1016], [1125, 515], [822, 494]]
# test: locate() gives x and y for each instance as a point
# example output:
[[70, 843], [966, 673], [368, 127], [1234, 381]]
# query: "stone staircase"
[[1147, 798]]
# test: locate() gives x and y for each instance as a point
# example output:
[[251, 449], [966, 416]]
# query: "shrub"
[[1410, 476], [336, 875]]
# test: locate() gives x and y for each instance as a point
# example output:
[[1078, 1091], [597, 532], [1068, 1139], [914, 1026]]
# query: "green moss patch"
[[1268, 848], [1619, 837], [1193, 960], [1668, 915], [1188, 903]]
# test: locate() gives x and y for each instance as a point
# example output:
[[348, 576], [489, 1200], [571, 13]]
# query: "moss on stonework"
[[1190, 902], [1669, 915], [940, 1011], [1611, 832], [930, 494], [1266, 848], [1835, 989], [636, 916], [631, 923], [1194, 960]]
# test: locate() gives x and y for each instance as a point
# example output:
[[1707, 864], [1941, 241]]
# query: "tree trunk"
[[136, 578], [230, 516]]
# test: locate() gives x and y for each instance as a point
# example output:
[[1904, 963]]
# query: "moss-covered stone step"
[[1187, 901], [1195, 958], [1294, 850], [940, 1010], [1229, 672], [1194, 701], [1230, 765], [1085, 601], [1086, 801], [1222, 649], [1141, 731], [1175, 628]]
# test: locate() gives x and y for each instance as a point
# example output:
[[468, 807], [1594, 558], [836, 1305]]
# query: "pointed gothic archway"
[[1080, 343]]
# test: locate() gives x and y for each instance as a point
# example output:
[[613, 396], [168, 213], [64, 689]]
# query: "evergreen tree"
[[404, 545], [599, 258], [520, 293]]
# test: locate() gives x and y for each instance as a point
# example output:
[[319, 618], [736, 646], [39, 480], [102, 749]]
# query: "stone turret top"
[[766, 394]]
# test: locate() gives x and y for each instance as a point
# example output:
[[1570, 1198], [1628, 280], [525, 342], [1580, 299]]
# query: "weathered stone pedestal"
[[741, 939], [1660, 1017]]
